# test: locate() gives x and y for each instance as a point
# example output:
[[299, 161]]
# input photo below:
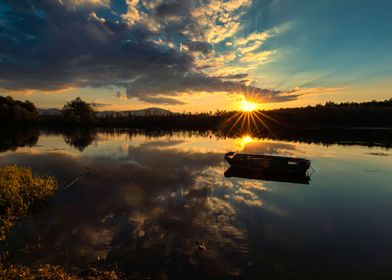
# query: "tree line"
[[15, 111], [330, 115]]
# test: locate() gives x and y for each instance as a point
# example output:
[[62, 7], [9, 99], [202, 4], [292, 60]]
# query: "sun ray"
[[243, 121], [250, 120], [271, 118], [233, 116], [256, 129], [238, 119], [264, 124]]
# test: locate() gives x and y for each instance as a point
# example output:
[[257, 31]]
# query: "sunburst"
[[250, 120]]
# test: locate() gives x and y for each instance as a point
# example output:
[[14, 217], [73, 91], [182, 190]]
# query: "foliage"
[[337, 115], [15, 111], [53, 272], [95, 273], [78, 112], [373, 113], [19, 191], [42, 272]]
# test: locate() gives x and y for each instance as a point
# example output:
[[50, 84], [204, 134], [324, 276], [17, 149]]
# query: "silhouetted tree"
[[15, 111], [78, 112]]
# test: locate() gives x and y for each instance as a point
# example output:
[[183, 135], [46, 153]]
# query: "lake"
[[157, 204]]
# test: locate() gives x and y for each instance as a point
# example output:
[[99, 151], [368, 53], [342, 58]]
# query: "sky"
[[195, 55]]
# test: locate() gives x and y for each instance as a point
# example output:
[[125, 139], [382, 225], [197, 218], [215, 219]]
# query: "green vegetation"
[[78, 112], [19, 191], [14, 111]]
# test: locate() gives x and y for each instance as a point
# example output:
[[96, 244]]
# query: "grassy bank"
[[53, 272], [19, 191]]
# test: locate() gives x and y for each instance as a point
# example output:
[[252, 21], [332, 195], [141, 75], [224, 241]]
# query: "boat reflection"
[[267, 175]]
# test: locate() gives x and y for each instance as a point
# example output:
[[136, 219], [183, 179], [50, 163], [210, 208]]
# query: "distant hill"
[[142, 112], [51, 111]]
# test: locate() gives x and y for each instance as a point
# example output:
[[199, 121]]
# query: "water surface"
[[146, 201]]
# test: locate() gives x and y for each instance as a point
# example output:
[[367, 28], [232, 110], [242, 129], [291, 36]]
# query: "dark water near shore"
[[144, 201]]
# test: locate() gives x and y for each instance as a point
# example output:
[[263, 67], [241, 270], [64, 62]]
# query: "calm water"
[[145, 202]]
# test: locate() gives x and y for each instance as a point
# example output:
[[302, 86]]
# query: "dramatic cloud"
[[87, 2], [152, 50]]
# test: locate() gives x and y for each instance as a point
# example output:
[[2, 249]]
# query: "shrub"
[[48, 271], [19, 191], [78, 112]]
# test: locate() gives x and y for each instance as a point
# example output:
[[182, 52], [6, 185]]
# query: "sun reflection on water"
[[242, 141]]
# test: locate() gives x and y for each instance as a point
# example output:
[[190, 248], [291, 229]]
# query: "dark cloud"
[[175, 83], [172, 8], [195, 46], [236, 76], [50, 46], [20, 5], [118, 94], [161, 100]]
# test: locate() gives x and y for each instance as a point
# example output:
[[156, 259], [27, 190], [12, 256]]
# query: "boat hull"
[[271, 163]]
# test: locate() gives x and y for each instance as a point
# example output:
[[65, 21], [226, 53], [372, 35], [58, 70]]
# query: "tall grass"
[[48, 271], [20, 189]]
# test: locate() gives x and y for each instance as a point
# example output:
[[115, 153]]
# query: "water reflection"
[[148, 200], [80, 138], [11, 138], [267, 175], [148, 208]]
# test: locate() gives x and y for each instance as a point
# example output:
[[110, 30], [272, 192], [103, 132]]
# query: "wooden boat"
[[271, 163], [267, 175]]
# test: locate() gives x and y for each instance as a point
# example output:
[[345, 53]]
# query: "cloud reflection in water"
[[150, 199], [149, 206]]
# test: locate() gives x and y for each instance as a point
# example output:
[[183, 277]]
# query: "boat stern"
[[229, 157]]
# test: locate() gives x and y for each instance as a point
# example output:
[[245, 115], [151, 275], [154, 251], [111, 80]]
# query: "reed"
[[47, 271]]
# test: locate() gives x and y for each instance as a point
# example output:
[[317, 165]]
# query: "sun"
[[248, 106]]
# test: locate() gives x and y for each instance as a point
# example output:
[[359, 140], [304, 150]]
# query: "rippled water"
[[147, 201]]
